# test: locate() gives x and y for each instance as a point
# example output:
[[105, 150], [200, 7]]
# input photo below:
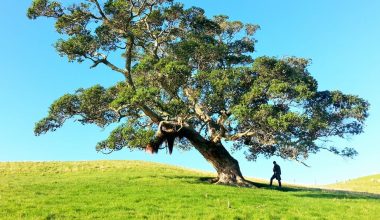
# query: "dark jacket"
[[277, 169]]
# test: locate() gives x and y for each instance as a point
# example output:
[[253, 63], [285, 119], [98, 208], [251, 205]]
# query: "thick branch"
[[185, 131], [151, 114], [265, 138], [203, 115], [113, 67], [129, 61], [237, 136], [107, 63]]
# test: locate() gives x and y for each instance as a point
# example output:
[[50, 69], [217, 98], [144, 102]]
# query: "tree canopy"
[[194, 77]]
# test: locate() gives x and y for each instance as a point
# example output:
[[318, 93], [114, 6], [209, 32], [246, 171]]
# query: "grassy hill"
[[370, 184], [141, 190]]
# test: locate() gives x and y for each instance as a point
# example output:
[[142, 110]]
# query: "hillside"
[[141, 190], [369, 184]]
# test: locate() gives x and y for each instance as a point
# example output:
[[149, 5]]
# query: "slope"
[[369, 184], [141, 190]]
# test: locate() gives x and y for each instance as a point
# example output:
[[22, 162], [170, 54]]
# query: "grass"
[[141, 190], [368, 184]]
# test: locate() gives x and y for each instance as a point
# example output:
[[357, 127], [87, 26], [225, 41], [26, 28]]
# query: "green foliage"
[[289, 115], [222, 89], [75, 22], [76, 48], [128, 134], [141, 190], [44, 8], [182, 65], [92, 105]]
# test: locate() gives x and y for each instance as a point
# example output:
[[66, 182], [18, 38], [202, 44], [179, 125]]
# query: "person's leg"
[[279, 183], [271, 180]]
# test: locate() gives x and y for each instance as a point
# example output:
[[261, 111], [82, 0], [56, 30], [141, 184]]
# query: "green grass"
[[369, 184], [141, 190]]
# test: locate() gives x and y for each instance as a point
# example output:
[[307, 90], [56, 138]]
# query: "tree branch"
[[128, 62], [141, 8], [247, 133], [203, 115], [113, 67], [156, 118], [100, 10], [303, 163], [265, 138], [151, 114]]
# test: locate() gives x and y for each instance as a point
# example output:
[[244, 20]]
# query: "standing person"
[[276, 174]]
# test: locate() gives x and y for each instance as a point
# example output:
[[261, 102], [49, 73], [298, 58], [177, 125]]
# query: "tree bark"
[[214, 152], [225, 165]]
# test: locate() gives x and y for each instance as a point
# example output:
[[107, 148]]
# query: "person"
[[276, 174]]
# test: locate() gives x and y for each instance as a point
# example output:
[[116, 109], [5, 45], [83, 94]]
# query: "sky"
[[340, 37]]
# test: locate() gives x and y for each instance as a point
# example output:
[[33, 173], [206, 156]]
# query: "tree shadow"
[[187, 179], [316, 193], [209, 180], [307, 192], [338, 194], [324, 193]]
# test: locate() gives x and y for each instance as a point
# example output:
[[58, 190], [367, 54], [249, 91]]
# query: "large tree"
[[191, 81]]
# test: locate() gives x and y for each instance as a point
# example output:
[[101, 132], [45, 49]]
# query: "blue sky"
[[341, 38]]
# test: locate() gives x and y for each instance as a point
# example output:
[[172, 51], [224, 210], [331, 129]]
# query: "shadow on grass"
[[309, 192], [186, 179], [339, 195], [324, 193], [301, 191]]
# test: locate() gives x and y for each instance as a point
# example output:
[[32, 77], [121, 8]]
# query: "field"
[[369, 184], [141, 190]]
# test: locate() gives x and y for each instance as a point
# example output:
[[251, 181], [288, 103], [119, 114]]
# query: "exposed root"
[[214, 180], [238, 184], [234, 181]]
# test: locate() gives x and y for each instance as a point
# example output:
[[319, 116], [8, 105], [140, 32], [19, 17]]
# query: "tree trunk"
[[226, 166]]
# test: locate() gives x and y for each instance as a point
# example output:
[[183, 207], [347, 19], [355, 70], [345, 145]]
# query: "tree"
[[191, 81]]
